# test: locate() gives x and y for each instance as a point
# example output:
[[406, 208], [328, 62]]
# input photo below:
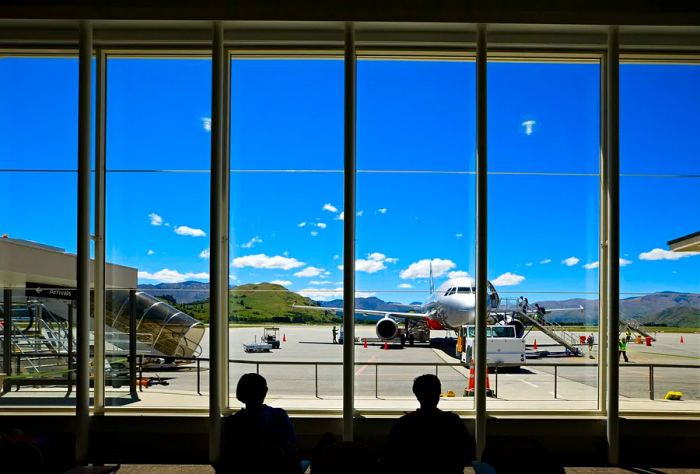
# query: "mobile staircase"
[[634, 326], [554, 330]]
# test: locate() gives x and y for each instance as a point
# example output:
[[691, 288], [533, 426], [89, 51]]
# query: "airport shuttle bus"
[[503, 346]]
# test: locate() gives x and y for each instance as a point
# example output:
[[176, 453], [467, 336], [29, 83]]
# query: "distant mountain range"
[[269, 302], [664, 308]]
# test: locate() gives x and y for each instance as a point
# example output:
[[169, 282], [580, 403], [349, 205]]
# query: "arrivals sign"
[[40, 290]]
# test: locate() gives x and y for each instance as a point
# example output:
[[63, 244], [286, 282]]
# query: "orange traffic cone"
[[284, 338], [469, 391], [386, 346], [682, 341], [534, 346], [365, 345]]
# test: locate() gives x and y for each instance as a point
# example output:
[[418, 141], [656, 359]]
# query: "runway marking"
[[529, 383], [362, 369]]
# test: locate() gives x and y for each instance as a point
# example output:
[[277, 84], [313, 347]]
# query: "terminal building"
[[228, 180]]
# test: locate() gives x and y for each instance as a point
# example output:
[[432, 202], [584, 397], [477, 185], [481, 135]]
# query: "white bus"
[[502, 345]]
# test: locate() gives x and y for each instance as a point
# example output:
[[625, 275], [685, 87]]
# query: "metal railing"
[[494, 369]]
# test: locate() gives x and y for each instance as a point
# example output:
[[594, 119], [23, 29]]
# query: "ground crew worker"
[[622, 346], [335, 335], [590, 342], [628, 336]]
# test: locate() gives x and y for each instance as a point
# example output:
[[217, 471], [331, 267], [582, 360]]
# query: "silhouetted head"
[[251, 390], [427, 390]]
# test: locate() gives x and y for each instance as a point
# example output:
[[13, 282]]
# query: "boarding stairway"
[[41, 347], [634, 326], [552, 329]]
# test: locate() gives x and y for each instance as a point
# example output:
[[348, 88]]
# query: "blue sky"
[[412, 116]]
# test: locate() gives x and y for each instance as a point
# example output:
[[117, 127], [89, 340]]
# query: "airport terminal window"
[[659, 192], [543, 210], [415, 152], [38, 178], [286, 228], [157, 230]]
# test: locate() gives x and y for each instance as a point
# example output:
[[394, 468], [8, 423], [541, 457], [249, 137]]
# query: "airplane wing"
[[372, 312]]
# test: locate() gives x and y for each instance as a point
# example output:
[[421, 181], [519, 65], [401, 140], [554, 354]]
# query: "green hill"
[[262, 302], [681, 317]]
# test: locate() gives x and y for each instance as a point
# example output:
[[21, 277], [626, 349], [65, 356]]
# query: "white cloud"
[[321, 282], [321, 225], [172, 276], [382, 210], [459, 236], [155, 219], [421, 268], [369, 266], [359, 213], [263, 261], [374, 262], [323, 294], [281, 282], [309, 272], [528, 264], [301, 224], [330, 207], [313, 233], [326, 273], [570, 262], [341, 216], [528, 126], [150, 252], [457, 274], [508, 279], [184, 230], [405, 285], [661, 254], [546, 261], [336, 257], [204, 253], [206, 123], [252, 242], [590, 266]]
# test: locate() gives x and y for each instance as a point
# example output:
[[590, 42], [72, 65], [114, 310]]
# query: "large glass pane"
[[286, 228], [543, 208], [415, 217], [659, 196], [38, 157], [157, 228]]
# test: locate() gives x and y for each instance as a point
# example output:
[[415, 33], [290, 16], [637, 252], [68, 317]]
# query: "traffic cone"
[[469, 391], [386, 346], [534, 346], [365, 345], [682, 341], [284, 338]]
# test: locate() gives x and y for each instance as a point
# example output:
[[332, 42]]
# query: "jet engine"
[[386, 328]]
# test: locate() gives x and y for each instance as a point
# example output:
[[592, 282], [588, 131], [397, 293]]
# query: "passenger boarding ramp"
[[512, 311], [634, 326], [553, 330]]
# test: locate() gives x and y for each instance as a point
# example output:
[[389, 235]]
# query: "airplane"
[[451, 306]]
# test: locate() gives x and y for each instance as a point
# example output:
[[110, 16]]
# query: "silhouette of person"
[[335, 335], [429, 426], [259, 438]]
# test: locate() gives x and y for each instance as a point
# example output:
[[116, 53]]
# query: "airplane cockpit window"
[[463, 289], [449, 292]]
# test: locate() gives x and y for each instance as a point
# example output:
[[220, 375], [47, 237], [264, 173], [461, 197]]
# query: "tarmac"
[[306, 374]]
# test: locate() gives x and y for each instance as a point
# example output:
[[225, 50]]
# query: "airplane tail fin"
[[432, 284]]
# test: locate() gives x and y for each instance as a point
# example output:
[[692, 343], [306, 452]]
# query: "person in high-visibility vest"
[[622, 346]]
